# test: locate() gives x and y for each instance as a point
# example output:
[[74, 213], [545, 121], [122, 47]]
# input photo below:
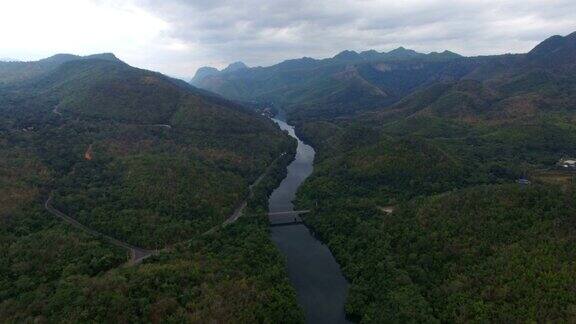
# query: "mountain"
[[352, 82], [402, 53], [341, 85], [436, 186], [556, 50], [101, 98], [17, 71], [204, 72], [153, 163], [502, 90], [236, 66], [449, 205], [347, 56]]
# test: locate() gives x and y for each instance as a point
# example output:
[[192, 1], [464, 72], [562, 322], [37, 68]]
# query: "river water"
[[320, 286]]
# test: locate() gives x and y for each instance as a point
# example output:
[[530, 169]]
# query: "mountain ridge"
[[20, 71], [345, 84]]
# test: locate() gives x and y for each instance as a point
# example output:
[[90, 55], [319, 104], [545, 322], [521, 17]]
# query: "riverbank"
[[320, 286]]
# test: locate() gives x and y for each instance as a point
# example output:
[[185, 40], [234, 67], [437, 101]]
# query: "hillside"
[[342, 85], [352, 82], [539, 83], [145, 131], [140, 157], [465, 242], [16, 71]]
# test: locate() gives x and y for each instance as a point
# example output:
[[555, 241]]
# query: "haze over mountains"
[[350, 82]]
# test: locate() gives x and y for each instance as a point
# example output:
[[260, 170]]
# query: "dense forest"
[[147, 160], [436, 185], [459, 245], [499, 253], [449, 206], [233, 275]]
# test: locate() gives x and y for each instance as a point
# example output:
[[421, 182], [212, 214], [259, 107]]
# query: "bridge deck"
[[286, 224], [288, 213]]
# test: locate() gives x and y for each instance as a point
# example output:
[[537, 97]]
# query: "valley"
[[368, 187], [320, 286], [143, 188], [465, 164]]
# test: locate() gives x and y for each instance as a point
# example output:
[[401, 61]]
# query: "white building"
[[567, 163]]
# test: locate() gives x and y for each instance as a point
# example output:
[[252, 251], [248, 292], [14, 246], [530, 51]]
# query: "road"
[[137, 254], [57, 112], [238, 211]]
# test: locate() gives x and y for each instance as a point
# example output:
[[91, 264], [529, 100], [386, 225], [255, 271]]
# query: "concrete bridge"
[[288, 213], [286, 218]]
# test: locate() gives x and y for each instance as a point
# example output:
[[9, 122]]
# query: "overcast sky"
[[178, 36]]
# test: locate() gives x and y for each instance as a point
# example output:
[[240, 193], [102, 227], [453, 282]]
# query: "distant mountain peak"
[[64, 57], [202, 73], [370, 54], [61, 57], [555, 50], [103, 56], [445, 54], [347, 55], [207, 69], [402, 51], [8, 59], [236, 66]]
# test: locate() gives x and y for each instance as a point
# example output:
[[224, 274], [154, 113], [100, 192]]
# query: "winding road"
[[238, 211], [137, 254]]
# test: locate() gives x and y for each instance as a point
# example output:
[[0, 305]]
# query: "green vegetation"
[[234, 275], [465, 242], [446, 253], [19, 72], [339, 86], [491, 253], [118, 170], [86, 131], [37, 249], [157, 163], [215, 278]]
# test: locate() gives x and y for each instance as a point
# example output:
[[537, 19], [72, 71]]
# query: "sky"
[[176, 37]]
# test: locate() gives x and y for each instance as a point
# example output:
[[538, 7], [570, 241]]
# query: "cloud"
[[33, 29], [178, 36], [264, 32]]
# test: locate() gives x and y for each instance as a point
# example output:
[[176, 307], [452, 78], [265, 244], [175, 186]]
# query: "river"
[[320, 286]]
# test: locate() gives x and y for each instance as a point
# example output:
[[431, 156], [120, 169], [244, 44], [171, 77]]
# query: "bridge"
[[288, 213], [287, 218]]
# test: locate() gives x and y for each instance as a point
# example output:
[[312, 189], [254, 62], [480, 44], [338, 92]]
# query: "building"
[[524, 181], [568, 163]]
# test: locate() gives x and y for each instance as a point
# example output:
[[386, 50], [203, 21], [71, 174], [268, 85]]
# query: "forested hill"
[[17, 71], [148, 134], [143, 158], [354, 82], [341, 85], [514, 89], [450, 206]]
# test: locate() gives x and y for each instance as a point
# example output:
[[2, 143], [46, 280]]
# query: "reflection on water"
[[320, 286]]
